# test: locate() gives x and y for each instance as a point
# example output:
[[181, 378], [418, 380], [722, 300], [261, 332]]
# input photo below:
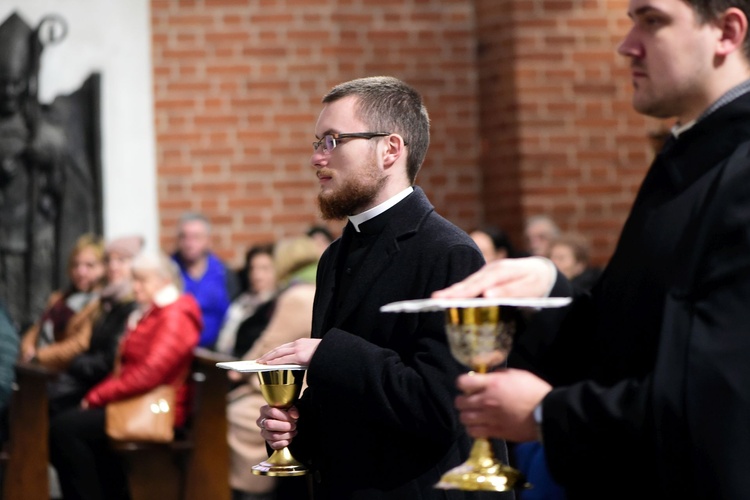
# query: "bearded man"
[[376, 421]]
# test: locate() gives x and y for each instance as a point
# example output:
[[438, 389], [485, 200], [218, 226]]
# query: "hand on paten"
[[299, 352], [529, 277]]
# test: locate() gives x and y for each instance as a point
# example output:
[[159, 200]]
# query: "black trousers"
[[80, 452]]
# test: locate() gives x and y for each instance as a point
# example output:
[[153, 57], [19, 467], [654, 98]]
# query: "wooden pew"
[[195, 467], [26, 454], [207, 473]]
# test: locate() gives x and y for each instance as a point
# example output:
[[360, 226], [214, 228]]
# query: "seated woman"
[[494, 243], [107, 323], [64, 328], [296, 262], [249, 313], [156, 349], [570, 254]]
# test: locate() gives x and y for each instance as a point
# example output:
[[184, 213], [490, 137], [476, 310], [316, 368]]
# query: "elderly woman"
[[103, 327], [156, 349]]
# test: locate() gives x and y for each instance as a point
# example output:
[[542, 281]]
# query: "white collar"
[[358, 219], [679, 129], [167, 295]]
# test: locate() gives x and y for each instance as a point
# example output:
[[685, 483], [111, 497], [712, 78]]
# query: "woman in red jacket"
[[156, 349]]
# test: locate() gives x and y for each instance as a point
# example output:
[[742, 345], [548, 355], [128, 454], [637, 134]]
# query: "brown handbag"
[[145, 417]]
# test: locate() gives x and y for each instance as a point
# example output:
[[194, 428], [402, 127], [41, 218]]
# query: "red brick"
[[265, 51], [188, 53], [175, 104], [249, 203], [179, 138], [190, 20], [192, 87], [226, 3], [214, 120], [228, 69], [227, 37]]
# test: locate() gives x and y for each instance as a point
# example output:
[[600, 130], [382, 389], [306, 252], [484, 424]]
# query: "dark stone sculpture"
[[49, 170]]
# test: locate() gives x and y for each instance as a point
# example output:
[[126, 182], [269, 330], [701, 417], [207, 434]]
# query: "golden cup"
[[280, 388], [481, 338]]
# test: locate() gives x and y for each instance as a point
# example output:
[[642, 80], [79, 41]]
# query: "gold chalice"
[[480, 334], [280, 389], [480, 338]]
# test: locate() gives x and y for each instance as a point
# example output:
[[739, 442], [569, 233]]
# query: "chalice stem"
[[481, 454], [283, 458]]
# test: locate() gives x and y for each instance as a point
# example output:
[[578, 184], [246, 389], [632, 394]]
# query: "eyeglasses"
[[330, 141]]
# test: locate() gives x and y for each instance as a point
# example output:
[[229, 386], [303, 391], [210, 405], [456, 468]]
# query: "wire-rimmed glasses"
[[330, 141]]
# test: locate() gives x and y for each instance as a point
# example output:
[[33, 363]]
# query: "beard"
[[353, 196]]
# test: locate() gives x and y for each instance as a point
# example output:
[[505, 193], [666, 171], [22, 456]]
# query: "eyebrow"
[[643, 10], [327, 132]]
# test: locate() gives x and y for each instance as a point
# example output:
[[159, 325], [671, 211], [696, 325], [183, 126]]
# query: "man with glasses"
[[377, 419]]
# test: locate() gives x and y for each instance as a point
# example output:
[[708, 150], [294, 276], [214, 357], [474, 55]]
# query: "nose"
[[318, 159], [629, 47]]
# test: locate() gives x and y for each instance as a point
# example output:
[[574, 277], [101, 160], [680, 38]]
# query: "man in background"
[[540, 231], [206, 278]]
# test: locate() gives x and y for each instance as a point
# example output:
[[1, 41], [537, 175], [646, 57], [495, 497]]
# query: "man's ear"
[[394, 149], [733, 25]]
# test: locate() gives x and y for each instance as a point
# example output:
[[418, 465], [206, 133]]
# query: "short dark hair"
[[500, 239], [387, 104], [258, 249], [710, 10], [320, 230]]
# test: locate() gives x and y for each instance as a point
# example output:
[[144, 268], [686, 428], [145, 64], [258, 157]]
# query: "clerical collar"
[[358, 219], [677, 129], [729, 96]]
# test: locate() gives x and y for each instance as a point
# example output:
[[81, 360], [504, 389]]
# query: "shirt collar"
[[729, 96], [358, 219], [677, 129], [166, 296]]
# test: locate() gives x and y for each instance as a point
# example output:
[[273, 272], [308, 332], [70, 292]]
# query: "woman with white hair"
[[156, 349]]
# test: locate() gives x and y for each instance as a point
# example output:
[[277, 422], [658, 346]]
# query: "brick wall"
[[559, 134], [530, 108], [237, 92]]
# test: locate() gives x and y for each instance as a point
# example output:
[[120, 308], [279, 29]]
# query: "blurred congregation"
[[130, 320]]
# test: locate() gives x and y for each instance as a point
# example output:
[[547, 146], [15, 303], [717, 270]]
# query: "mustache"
[[324, 172]]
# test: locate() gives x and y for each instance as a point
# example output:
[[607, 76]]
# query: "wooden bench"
[[195, 467], [26, 453]]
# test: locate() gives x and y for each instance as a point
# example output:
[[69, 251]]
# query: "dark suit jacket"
[[377, 419], [653, 368]]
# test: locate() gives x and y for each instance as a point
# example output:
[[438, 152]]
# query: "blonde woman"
[[64, 329], [296, 262]]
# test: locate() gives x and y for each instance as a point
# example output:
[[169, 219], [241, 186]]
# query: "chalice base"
[[281, 463], [482, 472]]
